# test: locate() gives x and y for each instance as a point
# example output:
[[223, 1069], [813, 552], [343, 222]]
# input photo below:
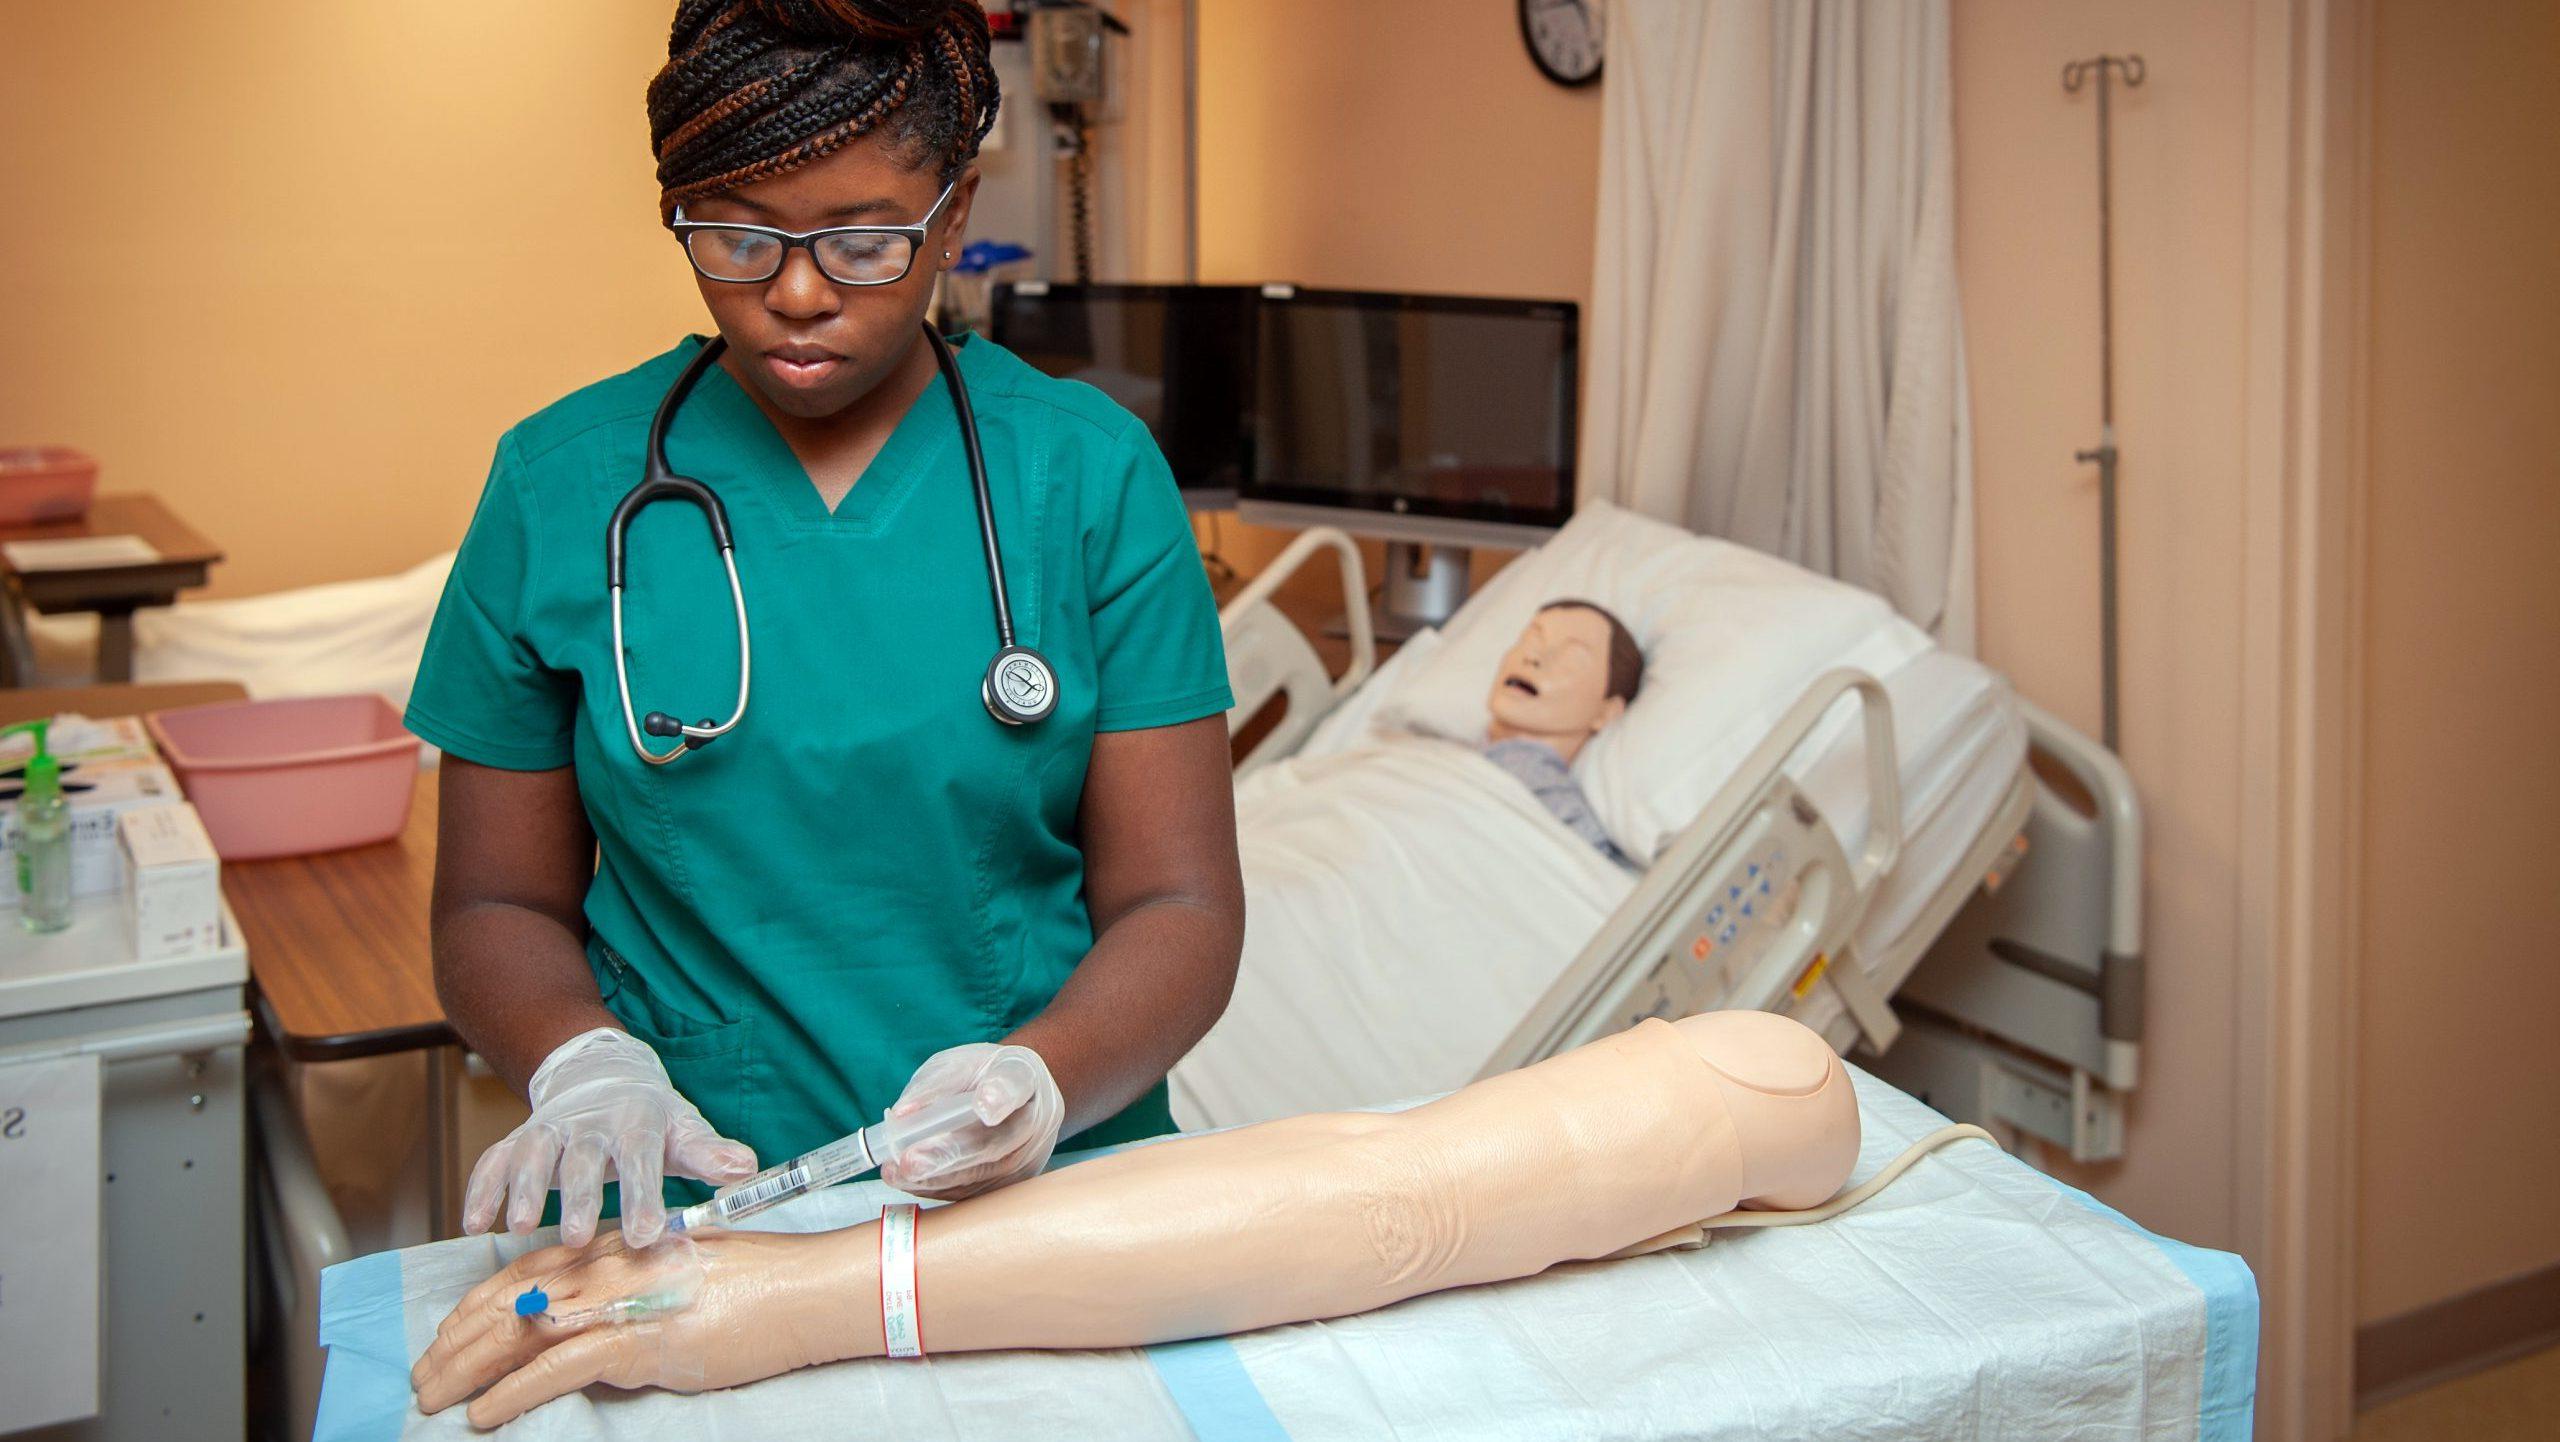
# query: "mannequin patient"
[[1572, 672], [1613, 1149]]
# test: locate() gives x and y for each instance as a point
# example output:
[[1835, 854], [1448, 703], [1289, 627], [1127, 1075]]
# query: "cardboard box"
[[98, 792], [172, 882]]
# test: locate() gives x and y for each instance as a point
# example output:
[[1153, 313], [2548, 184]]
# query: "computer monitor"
[[1179, 357], [1439, 422]]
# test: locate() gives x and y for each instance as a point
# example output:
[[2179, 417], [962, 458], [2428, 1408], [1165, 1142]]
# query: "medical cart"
[[169, 1037]]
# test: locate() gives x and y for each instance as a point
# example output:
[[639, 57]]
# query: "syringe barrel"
[[891, 1136]]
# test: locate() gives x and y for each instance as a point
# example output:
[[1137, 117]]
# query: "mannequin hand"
[[1019, 1114], [761, 1305], [600, 1099]]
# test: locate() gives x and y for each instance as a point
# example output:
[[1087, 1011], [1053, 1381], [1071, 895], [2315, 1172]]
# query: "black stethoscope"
[[1019, 687]]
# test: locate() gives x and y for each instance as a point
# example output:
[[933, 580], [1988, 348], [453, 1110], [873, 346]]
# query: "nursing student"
[[903, 873]]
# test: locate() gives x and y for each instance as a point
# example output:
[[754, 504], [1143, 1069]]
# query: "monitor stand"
[[1425, 586]]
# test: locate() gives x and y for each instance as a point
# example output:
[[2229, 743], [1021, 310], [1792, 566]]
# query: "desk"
[[338, 957], [114, 592]]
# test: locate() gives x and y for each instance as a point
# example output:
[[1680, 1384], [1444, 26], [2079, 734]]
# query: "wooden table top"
[[25, 703], [185, 555], [338, 942]]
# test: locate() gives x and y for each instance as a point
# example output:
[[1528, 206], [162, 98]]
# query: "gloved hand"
[[1019, 1114], [759, 1303], [601, 1098]]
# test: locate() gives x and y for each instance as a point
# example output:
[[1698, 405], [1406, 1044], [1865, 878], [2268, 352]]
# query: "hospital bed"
[[1931, 872], [1974, 1297]]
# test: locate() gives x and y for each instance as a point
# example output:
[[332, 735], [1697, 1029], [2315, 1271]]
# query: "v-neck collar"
[[919, 444]]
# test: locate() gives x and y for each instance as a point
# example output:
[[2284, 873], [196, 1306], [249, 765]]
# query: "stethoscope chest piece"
[[1019, 688]]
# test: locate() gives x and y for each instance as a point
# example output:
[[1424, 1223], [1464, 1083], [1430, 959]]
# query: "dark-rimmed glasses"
[[846, 254]]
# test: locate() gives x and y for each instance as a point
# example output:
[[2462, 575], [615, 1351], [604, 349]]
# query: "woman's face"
[[810, 346]]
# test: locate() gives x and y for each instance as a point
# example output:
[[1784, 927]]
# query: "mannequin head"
[[1571, 673]]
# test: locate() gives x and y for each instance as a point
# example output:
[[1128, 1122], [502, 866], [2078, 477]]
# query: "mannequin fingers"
[[589, 1357], [502, 1347], [491, 1303], [529, 1179], [581, 1190]]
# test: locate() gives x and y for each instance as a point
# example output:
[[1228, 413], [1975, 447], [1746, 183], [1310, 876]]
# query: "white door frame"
[[2301, 698]]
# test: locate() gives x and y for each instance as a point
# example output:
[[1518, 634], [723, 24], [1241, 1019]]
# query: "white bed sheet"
[[1407, 902], [1975, 1298]]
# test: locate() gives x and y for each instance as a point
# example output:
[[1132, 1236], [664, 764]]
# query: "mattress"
[[1407, 903], [1973, 1298]]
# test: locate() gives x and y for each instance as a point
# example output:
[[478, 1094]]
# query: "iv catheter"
[[837, 1161]]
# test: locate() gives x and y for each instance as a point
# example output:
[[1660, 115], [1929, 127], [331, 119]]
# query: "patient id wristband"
[[899, 1323]]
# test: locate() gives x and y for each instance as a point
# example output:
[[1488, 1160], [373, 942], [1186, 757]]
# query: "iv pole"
[[2073, 74]]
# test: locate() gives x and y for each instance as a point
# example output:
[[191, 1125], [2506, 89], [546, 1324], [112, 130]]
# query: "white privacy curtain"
[[1776, 355]]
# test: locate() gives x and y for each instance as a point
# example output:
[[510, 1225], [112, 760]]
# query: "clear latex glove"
[[757, 1304], [602, 1106], [1020, 1112]]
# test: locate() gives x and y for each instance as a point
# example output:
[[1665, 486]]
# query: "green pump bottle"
[[44, 838]]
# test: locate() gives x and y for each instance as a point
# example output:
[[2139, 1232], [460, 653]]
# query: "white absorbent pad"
[[1974, 1298]]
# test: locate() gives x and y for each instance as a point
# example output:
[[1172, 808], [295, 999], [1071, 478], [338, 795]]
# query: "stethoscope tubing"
[[659, 482]]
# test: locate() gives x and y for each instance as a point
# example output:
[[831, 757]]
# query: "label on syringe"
[[754, 1195]]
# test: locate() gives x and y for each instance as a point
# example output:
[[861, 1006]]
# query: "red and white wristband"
[[900, 1323]]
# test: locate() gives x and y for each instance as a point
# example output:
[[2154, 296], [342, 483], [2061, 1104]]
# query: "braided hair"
[[754, 88]]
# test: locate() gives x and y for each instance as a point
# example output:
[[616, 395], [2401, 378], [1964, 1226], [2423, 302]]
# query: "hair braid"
[[755, 88]]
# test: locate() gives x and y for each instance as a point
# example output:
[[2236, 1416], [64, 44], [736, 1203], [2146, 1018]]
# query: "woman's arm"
[[514, 856], [1167, 899]]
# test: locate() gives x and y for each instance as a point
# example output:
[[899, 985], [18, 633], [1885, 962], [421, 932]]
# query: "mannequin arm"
[[1625, 1143]]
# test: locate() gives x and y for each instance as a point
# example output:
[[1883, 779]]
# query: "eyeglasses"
[[846, 254]]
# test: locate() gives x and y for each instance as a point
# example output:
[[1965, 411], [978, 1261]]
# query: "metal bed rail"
[[2028, 1009], [1269, 658]]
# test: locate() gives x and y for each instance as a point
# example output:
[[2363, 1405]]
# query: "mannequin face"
[[1553, 684]]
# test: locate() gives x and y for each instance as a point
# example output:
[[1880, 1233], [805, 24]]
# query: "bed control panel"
[[1761, 930]]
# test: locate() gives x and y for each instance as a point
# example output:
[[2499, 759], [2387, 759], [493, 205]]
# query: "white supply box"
[[98, 793], [172, 882]]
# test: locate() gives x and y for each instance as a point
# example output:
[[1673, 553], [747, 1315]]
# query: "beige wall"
[[306, 259], [2460, 1173], [1405, 146], [2026, 243]]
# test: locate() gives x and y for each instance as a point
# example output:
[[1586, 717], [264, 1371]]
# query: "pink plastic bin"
[[291, 777], [44, 483]]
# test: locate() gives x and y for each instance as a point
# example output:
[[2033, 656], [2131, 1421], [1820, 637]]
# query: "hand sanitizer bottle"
[[44, 838]]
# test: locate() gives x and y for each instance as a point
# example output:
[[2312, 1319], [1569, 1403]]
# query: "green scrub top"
[[870, 868]]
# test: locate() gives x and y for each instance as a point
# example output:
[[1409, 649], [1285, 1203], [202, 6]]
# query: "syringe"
[[837, 1161]]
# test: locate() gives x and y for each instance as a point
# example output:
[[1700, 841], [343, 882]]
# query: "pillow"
[[1731, 638], [1353, 723]]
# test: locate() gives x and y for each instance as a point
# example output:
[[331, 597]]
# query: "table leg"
[[17, 653], [444, 1140], [115, 646]]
